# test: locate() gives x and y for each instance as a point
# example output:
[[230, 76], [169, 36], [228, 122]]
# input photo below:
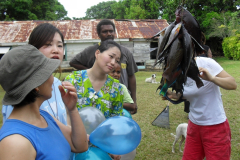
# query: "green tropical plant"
[[231, 47]]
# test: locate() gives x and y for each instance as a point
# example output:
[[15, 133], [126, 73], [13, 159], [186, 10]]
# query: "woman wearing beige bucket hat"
[[30, 133]]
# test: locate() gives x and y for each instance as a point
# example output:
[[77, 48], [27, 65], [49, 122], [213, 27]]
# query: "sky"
[[77, 8]]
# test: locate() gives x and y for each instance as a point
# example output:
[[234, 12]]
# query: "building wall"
[[72, 49], [140, 50]]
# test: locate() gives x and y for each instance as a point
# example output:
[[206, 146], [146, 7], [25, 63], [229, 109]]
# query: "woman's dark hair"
[[42, 33], [30, 98], [203, 38], [105, 45], [104, 22]]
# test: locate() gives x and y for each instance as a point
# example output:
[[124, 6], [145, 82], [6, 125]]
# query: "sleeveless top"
[[48, 142]]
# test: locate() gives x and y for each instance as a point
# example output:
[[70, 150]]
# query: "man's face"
[[107, 32]]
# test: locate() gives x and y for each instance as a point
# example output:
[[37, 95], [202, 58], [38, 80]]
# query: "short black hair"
[[42, 33], [104, 22], [120, 66], [105, 45], [30, 98]]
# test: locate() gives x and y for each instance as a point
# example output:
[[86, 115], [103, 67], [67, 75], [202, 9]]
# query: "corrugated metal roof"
[[19, 31]]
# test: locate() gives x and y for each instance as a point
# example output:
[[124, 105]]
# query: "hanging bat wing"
[[178, 45]]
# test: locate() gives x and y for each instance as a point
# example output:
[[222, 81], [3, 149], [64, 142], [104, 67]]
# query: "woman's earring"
[[37, 90]]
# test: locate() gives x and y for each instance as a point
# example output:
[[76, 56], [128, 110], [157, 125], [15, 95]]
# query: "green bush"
[[231, 47]]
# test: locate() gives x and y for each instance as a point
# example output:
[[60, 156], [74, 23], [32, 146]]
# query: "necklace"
[[55, 115]]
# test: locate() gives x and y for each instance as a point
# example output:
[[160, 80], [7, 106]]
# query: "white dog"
[[151, 79], [180, 131]]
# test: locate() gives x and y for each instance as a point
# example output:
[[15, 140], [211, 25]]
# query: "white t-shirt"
[[206, 107]]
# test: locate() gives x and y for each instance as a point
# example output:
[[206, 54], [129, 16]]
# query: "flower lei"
[[93, 96]]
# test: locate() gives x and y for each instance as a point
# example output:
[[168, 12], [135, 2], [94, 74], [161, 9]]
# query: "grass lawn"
[[157, 142]]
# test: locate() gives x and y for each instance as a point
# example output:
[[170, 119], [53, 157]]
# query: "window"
[[153, 49], [4, 50], [65, 53]]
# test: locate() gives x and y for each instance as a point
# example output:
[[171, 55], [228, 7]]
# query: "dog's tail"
[[173, 135]]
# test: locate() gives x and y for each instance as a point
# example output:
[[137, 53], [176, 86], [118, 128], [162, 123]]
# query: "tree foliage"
[[31, 10], [218, 18], [198, 8], [124, 9], [138, 9], [222, 25], [142, 9], [119, 8], [102, 10], [227, 27], [135, 11]]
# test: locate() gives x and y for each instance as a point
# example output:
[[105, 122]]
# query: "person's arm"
[[129, 106], [132, 88], [68, 118], [16, 147], [128, 102], [76, 134], [209, 54], [115, 157], [131, 69], [78, 66], [85, 59], [223, 79]]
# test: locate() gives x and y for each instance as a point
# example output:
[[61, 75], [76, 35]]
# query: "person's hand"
[[88, 137], [172, 95], [70, 97], [204, 74], [135, 109], [169, 94], [115, 157]]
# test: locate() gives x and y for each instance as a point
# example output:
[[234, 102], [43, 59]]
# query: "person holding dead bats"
[[197, 80], [208, 132]]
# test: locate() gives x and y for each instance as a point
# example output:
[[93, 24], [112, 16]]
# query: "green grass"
[[156, 142]]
